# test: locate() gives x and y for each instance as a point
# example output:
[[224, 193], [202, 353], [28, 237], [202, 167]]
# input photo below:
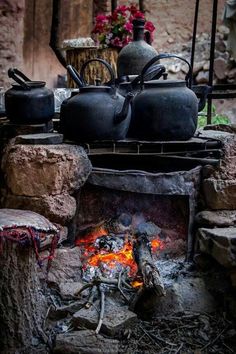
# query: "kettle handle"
[[75, 75], [16, 74], [163, 56], [105, 63]]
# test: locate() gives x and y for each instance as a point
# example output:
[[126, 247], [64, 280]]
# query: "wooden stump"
[[78, 56], [22, 303]]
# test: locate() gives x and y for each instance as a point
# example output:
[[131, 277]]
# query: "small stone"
[[170, 40], [174, 68], [84, 342], [202, 77], [232, 74], [43, 139], [206, 66], [220, 68], [197, 67], [223, 29]]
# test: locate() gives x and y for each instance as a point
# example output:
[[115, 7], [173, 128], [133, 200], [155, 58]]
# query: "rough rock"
[[42, 139], [57, 208], [202, 77], [84, 342], [66, 266], [36, 170], [219, 193], [226, 169], [116, 318], [220, 68], [220, 243], [220, 218]]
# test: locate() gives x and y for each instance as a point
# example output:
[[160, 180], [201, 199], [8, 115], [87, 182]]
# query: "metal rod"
[[212, 53], [141, 5], [113, 5], [194, 35]]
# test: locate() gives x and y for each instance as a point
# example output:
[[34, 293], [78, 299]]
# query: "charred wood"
[[147, 268]]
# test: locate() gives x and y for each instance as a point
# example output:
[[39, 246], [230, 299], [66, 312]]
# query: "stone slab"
[[84, 342], [43, 139], [220, 243], [219, 218], [116, 318]]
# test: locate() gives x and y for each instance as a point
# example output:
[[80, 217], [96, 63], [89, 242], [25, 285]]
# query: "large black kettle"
[[165, 109], [28, 102], [96, 112]]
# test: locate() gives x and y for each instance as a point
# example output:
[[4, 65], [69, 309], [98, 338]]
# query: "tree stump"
[[22, 303], [78, 56]]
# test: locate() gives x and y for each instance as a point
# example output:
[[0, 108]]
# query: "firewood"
[[147, 267]]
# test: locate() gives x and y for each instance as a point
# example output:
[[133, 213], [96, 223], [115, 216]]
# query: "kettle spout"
[[122, 114]]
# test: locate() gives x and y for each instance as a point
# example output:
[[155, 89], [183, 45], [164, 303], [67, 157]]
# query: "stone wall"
[[11, 39]]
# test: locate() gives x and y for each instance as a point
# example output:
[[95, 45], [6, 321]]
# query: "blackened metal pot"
[[96, 112], [28, 102], [164, 109]]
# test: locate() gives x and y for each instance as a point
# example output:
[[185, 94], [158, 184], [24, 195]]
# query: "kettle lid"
[[165, 83]]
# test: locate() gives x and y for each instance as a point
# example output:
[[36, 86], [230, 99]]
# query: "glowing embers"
[[109, 249]]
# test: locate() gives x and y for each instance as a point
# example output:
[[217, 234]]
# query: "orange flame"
[[94, 257]]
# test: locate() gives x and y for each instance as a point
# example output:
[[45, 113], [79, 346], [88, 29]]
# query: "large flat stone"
[[219, 218], [84, 342], [43, 139], [116, 318], [68, 290], [36, 170], [57, 208], [220, 193], [220, 243]]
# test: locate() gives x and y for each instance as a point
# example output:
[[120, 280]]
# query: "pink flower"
[[122, 9], [128, 27], [139, 14], [133, 9], [101, 19], [126, 41], [116, 42], [149, 26]]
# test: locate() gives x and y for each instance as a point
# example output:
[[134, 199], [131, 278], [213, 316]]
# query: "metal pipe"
[[212, 53], [113, 5], [194, 35]]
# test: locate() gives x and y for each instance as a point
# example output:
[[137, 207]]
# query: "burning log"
[[147, 268]]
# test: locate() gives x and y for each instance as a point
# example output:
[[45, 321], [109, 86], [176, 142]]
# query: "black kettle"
[[165, 109], [96, 112], [28, 102]]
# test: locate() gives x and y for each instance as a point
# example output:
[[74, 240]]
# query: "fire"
[[124, 257], [156, 244], [99, 254]]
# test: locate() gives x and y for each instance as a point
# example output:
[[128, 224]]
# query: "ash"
[[110, 243]]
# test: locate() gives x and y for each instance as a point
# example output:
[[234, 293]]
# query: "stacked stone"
[[44, 175], [217, 223]]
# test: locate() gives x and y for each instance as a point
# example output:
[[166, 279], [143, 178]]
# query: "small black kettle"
[[96, 112], [165, 109], [28, 102]]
